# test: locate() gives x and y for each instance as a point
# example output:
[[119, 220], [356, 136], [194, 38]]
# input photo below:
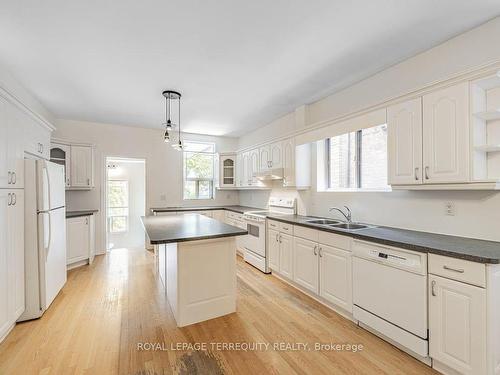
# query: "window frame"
[[110, 217], [197, 181], [359, 161]]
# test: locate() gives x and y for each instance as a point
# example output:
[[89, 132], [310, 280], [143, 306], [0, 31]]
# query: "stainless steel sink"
[[323, 222], [350, 226]]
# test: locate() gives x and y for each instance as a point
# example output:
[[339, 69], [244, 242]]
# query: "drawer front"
[[307, 233], [286, 228], [458, 269], [335, 240], [271, 224]]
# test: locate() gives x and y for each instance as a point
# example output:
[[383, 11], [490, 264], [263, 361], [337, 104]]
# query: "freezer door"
[[53, 254], [51, 185]]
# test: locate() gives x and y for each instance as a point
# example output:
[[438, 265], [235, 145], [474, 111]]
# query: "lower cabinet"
[[457, 325], [80, 240], [11, 258], [273, 246], [306, 265], [335, 276]]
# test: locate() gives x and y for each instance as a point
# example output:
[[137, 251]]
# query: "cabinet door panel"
[[4, 141], [78, 240], [336, 276], [457, 325], [5, 321], [289, 162], [405, 142], [305, 271], [286, 255], [264, 158], [274, 249], [446, 135], [16, 254], [81, 166], [276, 155]]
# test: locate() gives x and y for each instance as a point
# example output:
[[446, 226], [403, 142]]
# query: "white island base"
[[199, 278]]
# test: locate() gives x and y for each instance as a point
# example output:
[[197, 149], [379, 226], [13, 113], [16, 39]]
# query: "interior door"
[[446, 135], [404, 140], [335, 282], [305, 261], [457, 325]]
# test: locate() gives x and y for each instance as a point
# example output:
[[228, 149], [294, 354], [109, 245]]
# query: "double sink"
[[338, 224]]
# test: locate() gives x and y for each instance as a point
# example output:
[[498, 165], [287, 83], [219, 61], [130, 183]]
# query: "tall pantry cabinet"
[[21, 134]]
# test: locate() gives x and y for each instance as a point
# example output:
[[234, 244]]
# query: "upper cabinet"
[[296, 164], [271, 156], [428, 139], [446, 135], [78, 160], [404, 142], [227, 170]]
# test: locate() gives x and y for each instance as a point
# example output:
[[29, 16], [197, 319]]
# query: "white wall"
[[135, 173], [163, 165], [477, 213]]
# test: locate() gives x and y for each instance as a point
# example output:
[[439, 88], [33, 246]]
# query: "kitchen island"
[[196, 264]]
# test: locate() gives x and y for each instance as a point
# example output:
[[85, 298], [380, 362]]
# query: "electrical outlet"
[[449, 208]]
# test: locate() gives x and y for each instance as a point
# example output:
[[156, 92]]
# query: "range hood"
[[271, 174]]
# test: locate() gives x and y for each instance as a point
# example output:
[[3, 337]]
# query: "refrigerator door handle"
[[46, 171]]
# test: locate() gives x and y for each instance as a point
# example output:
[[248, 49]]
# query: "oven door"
[[256, 239]]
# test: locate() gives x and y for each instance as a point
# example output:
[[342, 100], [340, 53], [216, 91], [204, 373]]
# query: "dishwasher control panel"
[[407, 260]]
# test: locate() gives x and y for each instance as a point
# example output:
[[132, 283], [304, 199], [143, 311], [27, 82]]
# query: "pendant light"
[[169, 124]]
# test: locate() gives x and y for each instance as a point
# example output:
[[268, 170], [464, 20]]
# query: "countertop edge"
[[200, 238]]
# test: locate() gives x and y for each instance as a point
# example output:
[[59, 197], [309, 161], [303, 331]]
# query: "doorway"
[[125, 202]]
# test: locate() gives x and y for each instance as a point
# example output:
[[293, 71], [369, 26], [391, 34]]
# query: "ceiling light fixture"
[[169, 124]]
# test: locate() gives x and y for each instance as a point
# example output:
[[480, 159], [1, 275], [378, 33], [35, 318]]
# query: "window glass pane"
[[205, 190], [118, 224], [199, 147], [374, 157], [343, 171], [189, 189], [122, 211], [118, 193], [199, 165]]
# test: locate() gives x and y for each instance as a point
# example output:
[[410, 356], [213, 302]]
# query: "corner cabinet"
[[227, 170], [78, 162]]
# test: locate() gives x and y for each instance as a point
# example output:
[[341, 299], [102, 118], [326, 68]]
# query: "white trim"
[[11, 98]]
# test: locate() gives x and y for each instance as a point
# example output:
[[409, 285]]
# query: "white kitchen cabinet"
[[82, 167], [457, 325], [305, 261], [80, 240], [288, 161], [264, 158], [60, 153], [11, 258], [253, 167], [273, 249], [239, 170], [286, 255], [11, 146], [335, 271], [446, 145], [296, 164], [219, 215], [276, 155], [227, 170], [404, 143], [245, 169]]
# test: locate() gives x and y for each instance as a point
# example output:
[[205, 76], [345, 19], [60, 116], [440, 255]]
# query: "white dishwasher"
[[390, 294]]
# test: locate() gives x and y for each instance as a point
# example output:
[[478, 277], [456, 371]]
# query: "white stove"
[[254, 244]]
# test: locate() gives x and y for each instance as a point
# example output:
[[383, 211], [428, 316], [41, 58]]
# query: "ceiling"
[[238, 64]]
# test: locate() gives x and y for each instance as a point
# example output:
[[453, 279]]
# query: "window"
[[199, 159], [357, 160], [118, 206]]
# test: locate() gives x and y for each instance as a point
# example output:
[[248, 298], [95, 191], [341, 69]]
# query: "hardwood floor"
[[108, 310]]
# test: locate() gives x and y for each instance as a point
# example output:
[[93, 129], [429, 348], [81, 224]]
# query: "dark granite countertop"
[[239, 209], [70, 214], [475, 250], [187, 227]]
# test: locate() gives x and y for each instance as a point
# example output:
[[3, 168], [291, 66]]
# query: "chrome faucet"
[[347, 216]]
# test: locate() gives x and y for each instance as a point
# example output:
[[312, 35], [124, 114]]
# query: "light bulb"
[[166, 138]]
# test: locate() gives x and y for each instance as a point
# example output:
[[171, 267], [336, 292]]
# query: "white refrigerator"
[[45, 235]]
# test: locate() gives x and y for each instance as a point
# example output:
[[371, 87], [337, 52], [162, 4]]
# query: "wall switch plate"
[[449, 208]]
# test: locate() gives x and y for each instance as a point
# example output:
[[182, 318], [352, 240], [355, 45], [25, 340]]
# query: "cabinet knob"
[[427, 172], [320, 252], [88, 181], [14, 199], [416, 173], [314, 250], [14, 177], [9, 199], [433, 288]]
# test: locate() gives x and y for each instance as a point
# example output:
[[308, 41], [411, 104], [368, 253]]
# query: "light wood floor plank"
[[106, 309]]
